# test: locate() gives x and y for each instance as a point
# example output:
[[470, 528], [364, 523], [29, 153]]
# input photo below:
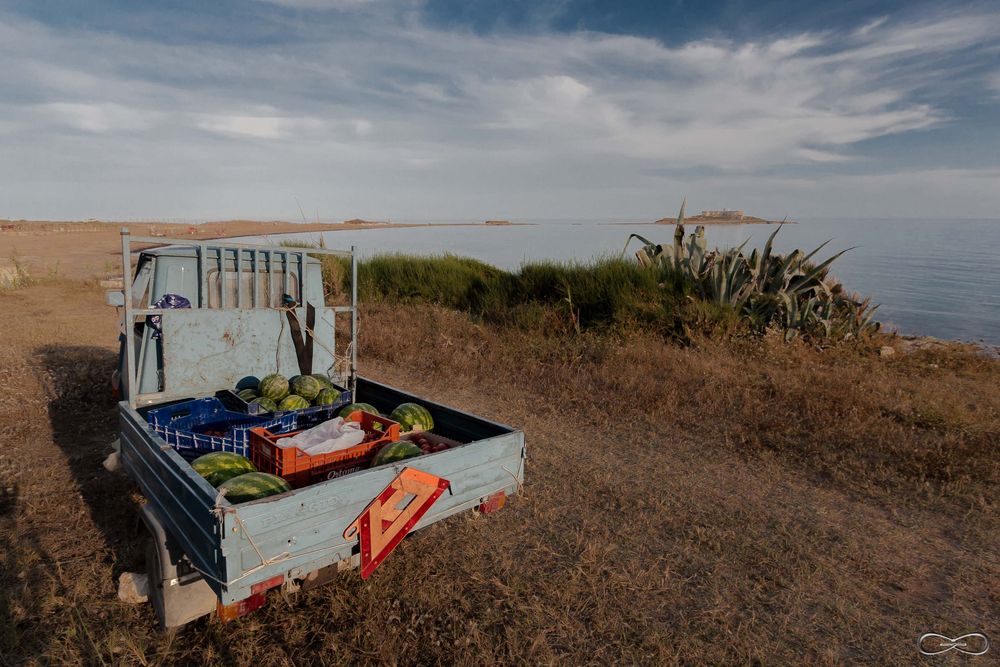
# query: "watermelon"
[[273, 386], [217, 467], [396, 451], [412, 417], [305, 386], [293, 402], [353, 407], [264, 404], [253, 486], [323, 380], [248, 394], [327, 396], [249, 382]]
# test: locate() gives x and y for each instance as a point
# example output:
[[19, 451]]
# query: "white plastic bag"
[[328, 437]]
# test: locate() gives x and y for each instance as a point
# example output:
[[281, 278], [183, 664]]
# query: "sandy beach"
[[81, 250]]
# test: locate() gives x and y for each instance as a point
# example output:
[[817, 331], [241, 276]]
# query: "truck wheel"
[[178, 594], [154, 570]]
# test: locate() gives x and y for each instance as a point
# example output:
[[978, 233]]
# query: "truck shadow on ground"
[[27, 581], [84, 421], [21, 564]]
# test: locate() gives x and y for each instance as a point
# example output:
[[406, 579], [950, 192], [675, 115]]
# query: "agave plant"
[[765, 286]]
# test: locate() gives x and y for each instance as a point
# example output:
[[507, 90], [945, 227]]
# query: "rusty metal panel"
[[205, 350]]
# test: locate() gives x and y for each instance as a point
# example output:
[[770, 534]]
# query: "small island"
[[359, 221], [497, 222], [723, 217]]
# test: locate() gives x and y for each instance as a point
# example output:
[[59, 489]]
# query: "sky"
[[455, 109]]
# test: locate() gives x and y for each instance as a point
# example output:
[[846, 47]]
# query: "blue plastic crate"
[[205, 425]]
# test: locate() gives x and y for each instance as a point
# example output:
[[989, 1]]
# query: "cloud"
[[346, 105], [362, 127], [321, 4], [871, 26], [258, 127], [98, 118]]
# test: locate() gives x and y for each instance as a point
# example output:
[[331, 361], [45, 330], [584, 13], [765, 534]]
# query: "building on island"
[[724, 213]]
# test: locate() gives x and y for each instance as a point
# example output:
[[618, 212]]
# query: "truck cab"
[[248, 310]]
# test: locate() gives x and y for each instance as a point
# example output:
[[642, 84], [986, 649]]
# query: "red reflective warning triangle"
[[384, 523]]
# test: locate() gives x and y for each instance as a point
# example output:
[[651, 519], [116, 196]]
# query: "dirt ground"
[[682, 506], [82, 250]]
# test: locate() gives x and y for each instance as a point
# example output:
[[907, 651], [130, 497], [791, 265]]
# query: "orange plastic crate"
[[300, 469]]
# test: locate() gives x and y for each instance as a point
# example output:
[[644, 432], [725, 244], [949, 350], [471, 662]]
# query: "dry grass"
[[745, 503], [14, 276]]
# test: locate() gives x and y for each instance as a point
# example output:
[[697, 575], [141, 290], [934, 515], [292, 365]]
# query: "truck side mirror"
[[114, 297]]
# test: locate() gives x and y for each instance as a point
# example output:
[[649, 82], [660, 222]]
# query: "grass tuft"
[[14, 276]]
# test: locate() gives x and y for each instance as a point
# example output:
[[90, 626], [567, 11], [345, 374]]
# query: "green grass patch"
[[601, 293]]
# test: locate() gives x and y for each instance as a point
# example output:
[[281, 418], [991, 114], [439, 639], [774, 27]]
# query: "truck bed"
[[302, 530]]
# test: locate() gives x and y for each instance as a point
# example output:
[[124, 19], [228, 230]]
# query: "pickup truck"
[[205, 555]]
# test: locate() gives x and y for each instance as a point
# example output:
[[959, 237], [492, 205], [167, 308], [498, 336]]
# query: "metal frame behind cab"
[[256, 255]]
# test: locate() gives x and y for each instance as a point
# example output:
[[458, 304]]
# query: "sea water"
[[930, 277]]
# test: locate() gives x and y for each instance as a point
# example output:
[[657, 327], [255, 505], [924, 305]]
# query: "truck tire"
[[178, 594], [155, 573]]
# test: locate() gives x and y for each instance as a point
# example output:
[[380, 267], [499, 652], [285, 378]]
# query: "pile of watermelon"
[[237, 477], [275, 392], [415, 420], [241, 481]]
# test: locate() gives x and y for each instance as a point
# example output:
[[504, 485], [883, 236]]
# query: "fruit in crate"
[[305, 386], [274, 387], [247, 394], [353, 407], [293, 402], [396, 451], [428, 446], [249, 382], [327, 396], [218, 467], [264, 404], [412, 417], [323, 380], [253, 486]]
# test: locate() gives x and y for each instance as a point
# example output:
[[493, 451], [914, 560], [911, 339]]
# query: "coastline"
[[90, 249]]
